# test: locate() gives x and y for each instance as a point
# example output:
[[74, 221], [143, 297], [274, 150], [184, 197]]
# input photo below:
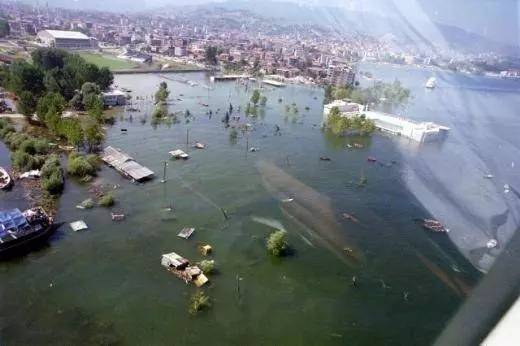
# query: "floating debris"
[[78, 226], [492, 244], [86, 204], [350, 217], [206, 249], [34, 174], [186, 232], [117, 217], [179, 266], [179, 154]]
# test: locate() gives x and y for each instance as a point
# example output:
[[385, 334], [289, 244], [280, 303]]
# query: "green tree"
[[161, 95], [53, 102], [255, 97], [26, 103], [49, 58], [93, 134], [71, 129], [105, 78], [277, 243], [211, 55], [25, 77]]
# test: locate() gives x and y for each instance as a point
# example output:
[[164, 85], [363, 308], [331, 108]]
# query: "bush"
[[52, 163], [198, 302], [79, 166], [52, 175], [8, 129], [207, 266], [94, 160], [38, 161], [277, 243], [41, 146], [107, 200], [28, 146], [22, 161], [53, 183]]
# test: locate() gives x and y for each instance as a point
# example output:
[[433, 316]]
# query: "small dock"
[[273, 83], [228, 77]]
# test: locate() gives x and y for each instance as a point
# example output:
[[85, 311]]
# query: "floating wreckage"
[[179, 154], [34, 174], [180, 266], [186, 232], [78, 226], [117, 217]]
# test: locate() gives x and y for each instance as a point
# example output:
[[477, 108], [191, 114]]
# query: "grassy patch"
[[106, 60]]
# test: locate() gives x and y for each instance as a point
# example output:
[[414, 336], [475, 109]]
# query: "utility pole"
[[164, 172]]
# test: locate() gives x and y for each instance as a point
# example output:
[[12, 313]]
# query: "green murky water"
[[106, 285]]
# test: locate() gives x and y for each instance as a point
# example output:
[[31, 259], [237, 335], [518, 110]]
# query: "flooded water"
[[106, 285]]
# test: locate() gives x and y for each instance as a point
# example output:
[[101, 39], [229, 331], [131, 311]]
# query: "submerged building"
[[394, 124]]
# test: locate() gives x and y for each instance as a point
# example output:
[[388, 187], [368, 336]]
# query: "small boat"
[[324, 158], [199, 145], [434, 226], [5, 179], [507, 188], [349, 146], [489, 176], [431, 83], [371, 159]]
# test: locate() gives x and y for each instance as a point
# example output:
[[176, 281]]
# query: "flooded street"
[[106, 285]]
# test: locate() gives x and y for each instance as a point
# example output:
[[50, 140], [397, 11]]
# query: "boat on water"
[[431, 83], [21, 230], [434, 226], [5, 179]]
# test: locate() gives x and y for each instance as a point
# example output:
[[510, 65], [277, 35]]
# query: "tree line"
[[54, 81]]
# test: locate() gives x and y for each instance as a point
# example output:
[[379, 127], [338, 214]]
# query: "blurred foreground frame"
[[489, 302]]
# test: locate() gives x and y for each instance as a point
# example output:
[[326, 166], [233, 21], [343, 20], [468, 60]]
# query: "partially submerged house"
[[125, 164]]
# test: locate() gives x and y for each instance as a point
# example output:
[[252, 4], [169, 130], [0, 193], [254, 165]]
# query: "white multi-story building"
[[418, 131]]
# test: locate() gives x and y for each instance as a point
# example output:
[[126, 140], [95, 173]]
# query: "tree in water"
[[161, 95], [255, 98]]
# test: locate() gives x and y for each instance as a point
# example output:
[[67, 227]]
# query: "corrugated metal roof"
[[67, 34], [125, 164]]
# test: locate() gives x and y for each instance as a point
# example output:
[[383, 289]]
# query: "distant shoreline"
[[158, 70]]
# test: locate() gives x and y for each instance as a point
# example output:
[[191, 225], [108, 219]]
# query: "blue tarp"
[[11, 219]]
